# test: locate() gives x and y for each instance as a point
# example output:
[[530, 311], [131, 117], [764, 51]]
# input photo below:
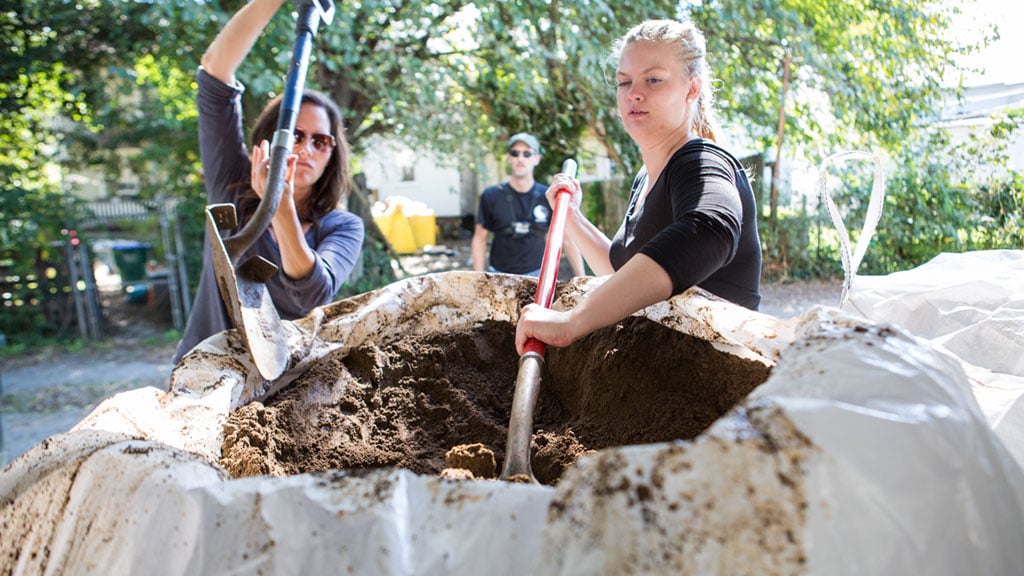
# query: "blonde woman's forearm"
[[637, 285], [593, 245]]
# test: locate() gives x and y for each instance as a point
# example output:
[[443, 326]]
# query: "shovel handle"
[[552, 252], [531, 363], [311, 13]]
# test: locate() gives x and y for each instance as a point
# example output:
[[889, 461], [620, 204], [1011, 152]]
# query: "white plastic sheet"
[[863, 453], [134, 507], [971, 305]]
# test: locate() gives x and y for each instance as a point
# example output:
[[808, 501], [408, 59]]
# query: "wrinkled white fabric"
[[863, 453], [971, 305]]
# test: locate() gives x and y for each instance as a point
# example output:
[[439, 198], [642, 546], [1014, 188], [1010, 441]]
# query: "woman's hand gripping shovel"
[[520, 428], [243, 286]]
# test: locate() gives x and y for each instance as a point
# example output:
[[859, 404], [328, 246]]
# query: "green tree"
[[952, 197], [36, 91], [862, 74], [455, 77]]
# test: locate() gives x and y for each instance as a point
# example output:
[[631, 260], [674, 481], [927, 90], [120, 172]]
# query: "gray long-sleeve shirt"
[[336, 239]]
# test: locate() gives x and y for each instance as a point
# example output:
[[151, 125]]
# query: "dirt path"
[[49, 391]]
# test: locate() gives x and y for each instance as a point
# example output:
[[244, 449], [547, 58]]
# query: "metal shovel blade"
[[517, 466], [246, 297]]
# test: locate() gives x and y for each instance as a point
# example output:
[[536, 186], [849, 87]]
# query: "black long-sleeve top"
[[699, 223]]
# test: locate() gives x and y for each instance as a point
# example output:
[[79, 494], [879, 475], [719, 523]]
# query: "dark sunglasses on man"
[[525, 153], [321, 142]]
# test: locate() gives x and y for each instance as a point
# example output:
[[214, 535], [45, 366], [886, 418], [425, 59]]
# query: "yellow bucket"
[[384, 223], [400, 235], [424, 229]]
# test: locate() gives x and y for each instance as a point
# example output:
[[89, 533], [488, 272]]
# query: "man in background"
[[518, 216]]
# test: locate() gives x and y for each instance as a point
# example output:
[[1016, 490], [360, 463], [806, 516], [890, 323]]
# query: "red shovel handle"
[[552, 252]]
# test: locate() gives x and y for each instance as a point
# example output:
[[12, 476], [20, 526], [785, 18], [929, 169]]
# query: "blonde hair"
[[691, 49]]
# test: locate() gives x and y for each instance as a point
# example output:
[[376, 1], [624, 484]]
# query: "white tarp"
[[971, 305], [135, 507], [863, 453]]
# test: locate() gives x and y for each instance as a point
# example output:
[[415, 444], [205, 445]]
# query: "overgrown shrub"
[[941, 196], [951, 197]]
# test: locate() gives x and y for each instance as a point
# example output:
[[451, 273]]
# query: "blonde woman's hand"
[[551, 327], [560, 182]]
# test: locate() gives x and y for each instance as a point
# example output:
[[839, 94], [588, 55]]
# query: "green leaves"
[[864, 73], [82, 78], [458, 77]]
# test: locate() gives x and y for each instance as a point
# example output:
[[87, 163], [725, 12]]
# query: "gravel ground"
[[47, 391], [789, 299]]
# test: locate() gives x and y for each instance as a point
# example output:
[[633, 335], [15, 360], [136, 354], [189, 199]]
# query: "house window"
[[407, 165]]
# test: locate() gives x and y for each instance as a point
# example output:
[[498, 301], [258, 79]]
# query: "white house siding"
[[393, 169], [975, 112]]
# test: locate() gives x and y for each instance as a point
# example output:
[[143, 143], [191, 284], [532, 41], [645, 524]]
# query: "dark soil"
[[409, 403]]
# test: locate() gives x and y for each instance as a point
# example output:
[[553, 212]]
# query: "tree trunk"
[[773, 199]]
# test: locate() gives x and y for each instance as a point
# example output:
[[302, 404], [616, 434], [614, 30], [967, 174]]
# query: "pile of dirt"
[[407, 403]]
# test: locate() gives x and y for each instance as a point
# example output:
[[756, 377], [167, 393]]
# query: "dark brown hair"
[[334, 184]]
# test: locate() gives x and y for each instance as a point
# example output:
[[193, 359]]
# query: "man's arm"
[[479, 248], [572, 253]]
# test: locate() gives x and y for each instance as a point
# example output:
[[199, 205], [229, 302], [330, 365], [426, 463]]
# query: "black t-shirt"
[[699, 223], [519, 221]]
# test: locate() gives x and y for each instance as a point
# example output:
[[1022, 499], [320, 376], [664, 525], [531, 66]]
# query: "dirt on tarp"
[[409, 402]]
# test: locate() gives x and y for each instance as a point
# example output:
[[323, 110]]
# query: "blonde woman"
[[691, 219]]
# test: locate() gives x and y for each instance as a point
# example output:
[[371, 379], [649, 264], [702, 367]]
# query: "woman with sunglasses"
[[691, 219], [312, 240]]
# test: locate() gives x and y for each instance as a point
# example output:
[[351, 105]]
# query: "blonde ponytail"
[[704, 123]]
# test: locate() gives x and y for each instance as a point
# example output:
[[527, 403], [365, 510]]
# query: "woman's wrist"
[[576, 220], [581, 321]]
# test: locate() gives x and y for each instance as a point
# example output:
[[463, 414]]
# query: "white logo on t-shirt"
[[540, 214]]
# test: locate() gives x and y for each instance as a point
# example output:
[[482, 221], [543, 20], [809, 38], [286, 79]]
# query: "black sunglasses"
[[525, 153], [321, 142]]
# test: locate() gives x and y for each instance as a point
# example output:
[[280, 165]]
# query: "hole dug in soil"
[[410, 402]]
